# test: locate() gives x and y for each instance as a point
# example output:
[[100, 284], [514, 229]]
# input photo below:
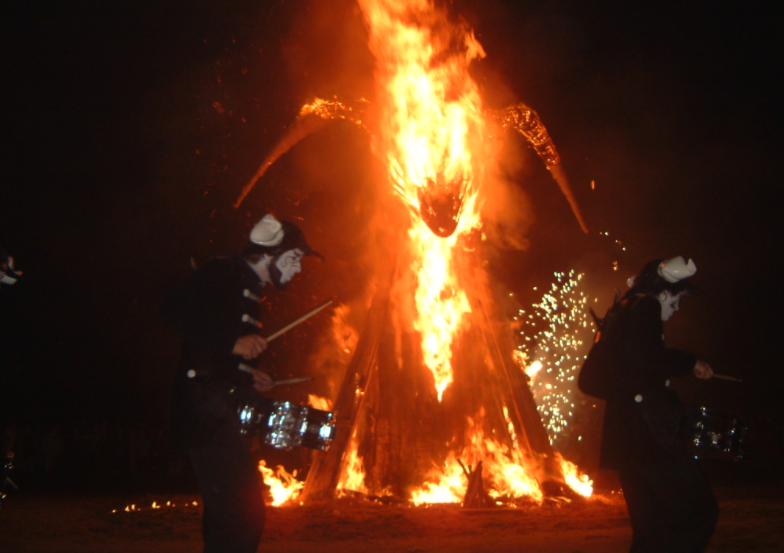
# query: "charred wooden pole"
[[324, 473], [475, 497]]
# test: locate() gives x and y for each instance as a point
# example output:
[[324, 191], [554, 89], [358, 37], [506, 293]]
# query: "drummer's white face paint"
[[669, 304], [261, 267], [286, 266]]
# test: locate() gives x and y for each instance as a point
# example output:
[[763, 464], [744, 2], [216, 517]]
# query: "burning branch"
[[475, 497]]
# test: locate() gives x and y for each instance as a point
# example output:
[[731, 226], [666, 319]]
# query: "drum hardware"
[[714, 435], [8, 465], [286, 425]]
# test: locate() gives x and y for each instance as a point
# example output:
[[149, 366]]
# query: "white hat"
[[676, 268], [267, 232]]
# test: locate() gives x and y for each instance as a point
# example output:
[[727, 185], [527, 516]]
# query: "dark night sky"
[[131, 126]]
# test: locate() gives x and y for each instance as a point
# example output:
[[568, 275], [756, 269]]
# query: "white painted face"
[[669, 304], [261, 267], [288, 264]]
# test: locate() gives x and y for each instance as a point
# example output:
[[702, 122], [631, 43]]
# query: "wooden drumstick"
[[292, 381], [725, 377], [303, 318]]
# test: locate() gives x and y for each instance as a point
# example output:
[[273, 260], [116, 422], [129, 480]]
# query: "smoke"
[[507, 213]]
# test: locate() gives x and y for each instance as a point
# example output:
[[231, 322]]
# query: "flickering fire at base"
[[282, 485], [438, 388]]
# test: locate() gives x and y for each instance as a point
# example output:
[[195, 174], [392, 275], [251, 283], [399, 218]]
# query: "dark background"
[[131, 127]]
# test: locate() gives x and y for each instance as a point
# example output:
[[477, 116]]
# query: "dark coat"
[[207, 309], [642, 416]]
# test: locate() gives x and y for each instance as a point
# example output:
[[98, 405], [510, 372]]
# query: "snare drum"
[[713, 435], [285, 425]]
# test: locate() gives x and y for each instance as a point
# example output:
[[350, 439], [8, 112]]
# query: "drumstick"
[[300, 320], [251, 370], [724, 377], [292, 381]]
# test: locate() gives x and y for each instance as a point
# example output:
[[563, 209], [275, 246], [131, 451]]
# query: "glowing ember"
[[155, 506], [283, 486], [522, 359], [558, 345], [319, 402]]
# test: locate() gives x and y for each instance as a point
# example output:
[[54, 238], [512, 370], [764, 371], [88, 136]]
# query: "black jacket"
[[207, 309], [642, 416]]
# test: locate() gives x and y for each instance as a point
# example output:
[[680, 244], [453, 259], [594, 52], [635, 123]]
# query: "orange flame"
[[319, 402], [345, 335], [283, 486], [431, 106], [431, 134], [580, 483], [445, 486], [431, 120], [505, 469], [352, 477]]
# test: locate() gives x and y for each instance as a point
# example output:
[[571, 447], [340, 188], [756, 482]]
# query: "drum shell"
[[285, 425], [714, 435]]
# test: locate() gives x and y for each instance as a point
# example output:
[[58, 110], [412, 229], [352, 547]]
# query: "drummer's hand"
[[262, 382], [703, 370], [250, 346]]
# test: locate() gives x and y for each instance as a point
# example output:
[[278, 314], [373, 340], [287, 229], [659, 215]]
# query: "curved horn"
[[526, 121], [563, 183], [312, 117]]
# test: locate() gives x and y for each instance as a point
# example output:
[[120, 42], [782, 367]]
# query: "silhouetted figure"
[[671, 506]]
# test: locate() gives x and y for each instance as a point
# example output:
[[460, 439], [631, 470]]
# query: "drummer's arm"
[[702, 370], [262, 382], [249, 346]]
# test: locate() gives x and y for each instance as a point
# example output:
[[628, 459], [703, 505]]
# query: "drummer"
[[217, 313], [670, 504]]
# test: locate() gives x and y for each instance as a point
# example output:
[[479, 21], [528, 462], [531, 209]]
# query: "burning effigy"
[[433, 406]]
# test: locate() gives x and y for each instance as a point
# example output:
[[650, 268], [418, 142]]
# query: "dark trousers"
[[230, 486], [671, 506]]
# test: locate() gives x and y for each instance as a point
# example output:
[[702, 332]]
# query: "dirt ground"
[[752, 520]]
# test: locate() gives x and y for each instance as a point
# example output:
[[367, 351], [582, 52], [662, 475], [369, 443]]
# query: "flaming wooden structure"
[[423, 394], [392, 412]]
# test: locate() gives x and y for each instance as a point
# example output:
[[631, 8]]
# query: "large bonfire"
[[407, 432]]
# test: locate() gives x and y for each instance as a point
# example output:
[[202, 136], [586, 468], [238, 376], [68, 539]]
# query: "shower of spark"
[[556, 336]]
